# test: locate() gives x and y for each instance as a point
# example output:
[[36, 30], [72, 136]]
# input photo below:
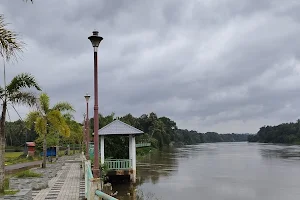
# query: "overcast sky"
[[210, 65]]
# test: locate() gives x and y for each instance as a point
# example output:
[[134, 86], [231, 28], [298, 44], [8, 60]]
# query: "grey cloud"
[[210, 65]]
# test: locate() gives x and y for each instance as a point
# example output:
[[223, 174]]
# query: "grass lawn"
[[16, 157], [12, 154]]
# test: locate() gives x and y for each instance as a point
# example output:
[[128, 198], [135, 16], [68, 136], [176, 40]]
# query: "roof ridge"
[[117, 127], [129, 125]]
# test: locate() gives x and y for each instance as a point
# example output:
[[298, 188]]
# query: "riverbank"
[[145, 151]]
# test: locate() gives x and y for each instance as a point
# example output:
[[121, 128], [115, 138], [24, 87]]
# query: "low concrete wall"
[[24, 194]]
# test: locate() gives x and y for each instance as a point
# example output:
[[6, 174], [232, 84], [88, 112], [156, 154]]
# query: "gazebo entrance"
[[125, 167]]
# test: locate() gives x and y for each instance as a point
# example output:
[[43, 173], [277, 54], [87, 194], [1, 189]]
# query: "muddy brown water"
[[227, 171]]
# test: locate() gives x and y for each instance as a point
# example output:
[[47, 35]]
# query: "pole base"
[[96, 172], [87, 157]]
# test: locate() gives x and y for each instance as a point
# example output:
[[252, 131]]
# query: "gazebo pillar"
[[130, 147], [102, 149], [132, 156]]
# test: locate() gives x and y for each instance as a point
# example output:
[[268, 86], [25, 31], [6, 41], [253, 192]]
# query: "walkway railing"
[[143, 144], [92, 185], [118, 164]]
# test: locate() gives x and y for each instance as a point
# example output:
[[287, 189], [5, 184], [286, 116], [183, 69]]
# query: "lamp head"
[[87, 97], [95, 40]]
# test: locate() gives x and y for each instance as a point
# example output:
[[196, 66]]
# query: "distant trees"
[[160, 132], [17, 134], [288, 133], [76, 132]]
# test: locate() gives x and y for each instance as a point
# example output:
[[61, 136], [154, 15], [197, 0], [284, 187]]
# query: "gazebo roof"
[[118, 127]]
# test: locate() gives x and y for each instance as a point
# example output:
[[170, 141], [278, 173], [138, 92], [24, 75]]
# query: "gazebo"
[[120, 166]]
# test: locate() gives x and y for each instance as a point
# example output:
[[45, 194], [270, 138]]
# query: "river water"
[[218, 171]]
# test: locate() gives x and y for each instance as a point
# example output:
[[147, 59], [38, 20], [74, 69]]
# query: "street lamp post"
[[84, 128], [95, 40], [87, 126]]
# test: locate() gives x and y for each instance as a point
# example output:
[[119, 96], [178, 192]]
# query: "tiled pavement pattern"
[[70, 188], [81, 189], [64, 186]]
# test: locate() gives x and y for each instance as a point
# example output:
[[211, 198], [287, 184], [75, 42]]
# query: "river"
[[219, 171]]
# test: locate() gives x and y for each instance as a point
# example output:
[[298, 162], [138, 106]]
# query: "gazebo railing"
[[118, 164], [143, 144]]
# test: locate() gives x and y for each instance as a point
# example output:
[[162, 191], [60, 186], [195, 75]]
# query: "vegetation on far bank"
[[286, 133], [159, 131]]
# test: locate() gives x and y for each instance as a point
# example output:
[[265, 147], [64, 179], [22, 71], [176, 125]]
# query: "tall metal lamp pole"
[[87, 126], [95, 40]]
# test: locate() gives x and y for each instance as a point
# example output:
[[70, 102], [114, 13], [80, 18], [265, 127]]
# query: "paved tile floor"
[[65, 186]]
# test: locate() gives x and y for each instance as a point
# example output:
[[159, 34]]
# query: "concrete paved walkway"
[[65, 186]]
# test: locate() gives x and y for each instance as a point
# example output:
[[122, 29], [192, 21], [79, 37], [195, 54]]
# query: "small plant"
[[104, 170], [10, 192], [27, 173], [7, 191], [22, 156], [30, 158], [6, 183]]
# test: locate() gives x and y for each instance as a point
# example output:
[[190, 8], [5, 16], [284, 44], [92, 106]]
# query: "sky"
[[209, 65]]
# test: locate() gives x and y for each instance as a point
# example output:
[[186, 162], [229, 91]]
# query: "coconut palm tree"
[[10, 45], [49, 120], [14, 93]]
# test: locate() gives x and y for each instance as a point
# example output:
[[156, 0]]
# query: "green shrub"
[[6, 183], [22, 155], [10, 192], [27, 173], [30, 158], [143, 151]]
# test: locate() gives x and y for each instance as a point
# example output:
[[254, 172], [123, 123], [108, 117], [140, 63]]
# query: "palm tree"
[[10, 45], [14, 93], [49, 120]]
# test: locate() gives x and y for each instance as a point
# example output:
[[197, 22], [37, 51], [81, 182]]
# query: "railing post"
[[95, 185], [86, 178]]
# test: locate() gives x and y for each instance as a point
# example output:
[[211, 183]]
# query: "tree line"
[[159, 131], [287, 133]]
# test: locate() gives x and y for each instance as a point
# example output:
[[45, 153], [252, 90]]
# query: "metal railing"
[[88, 175], [118, 164], [91, 184], [143, 144]]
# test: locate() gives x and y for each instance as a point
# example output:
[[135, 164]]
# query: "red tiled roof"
[[30, 144]]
